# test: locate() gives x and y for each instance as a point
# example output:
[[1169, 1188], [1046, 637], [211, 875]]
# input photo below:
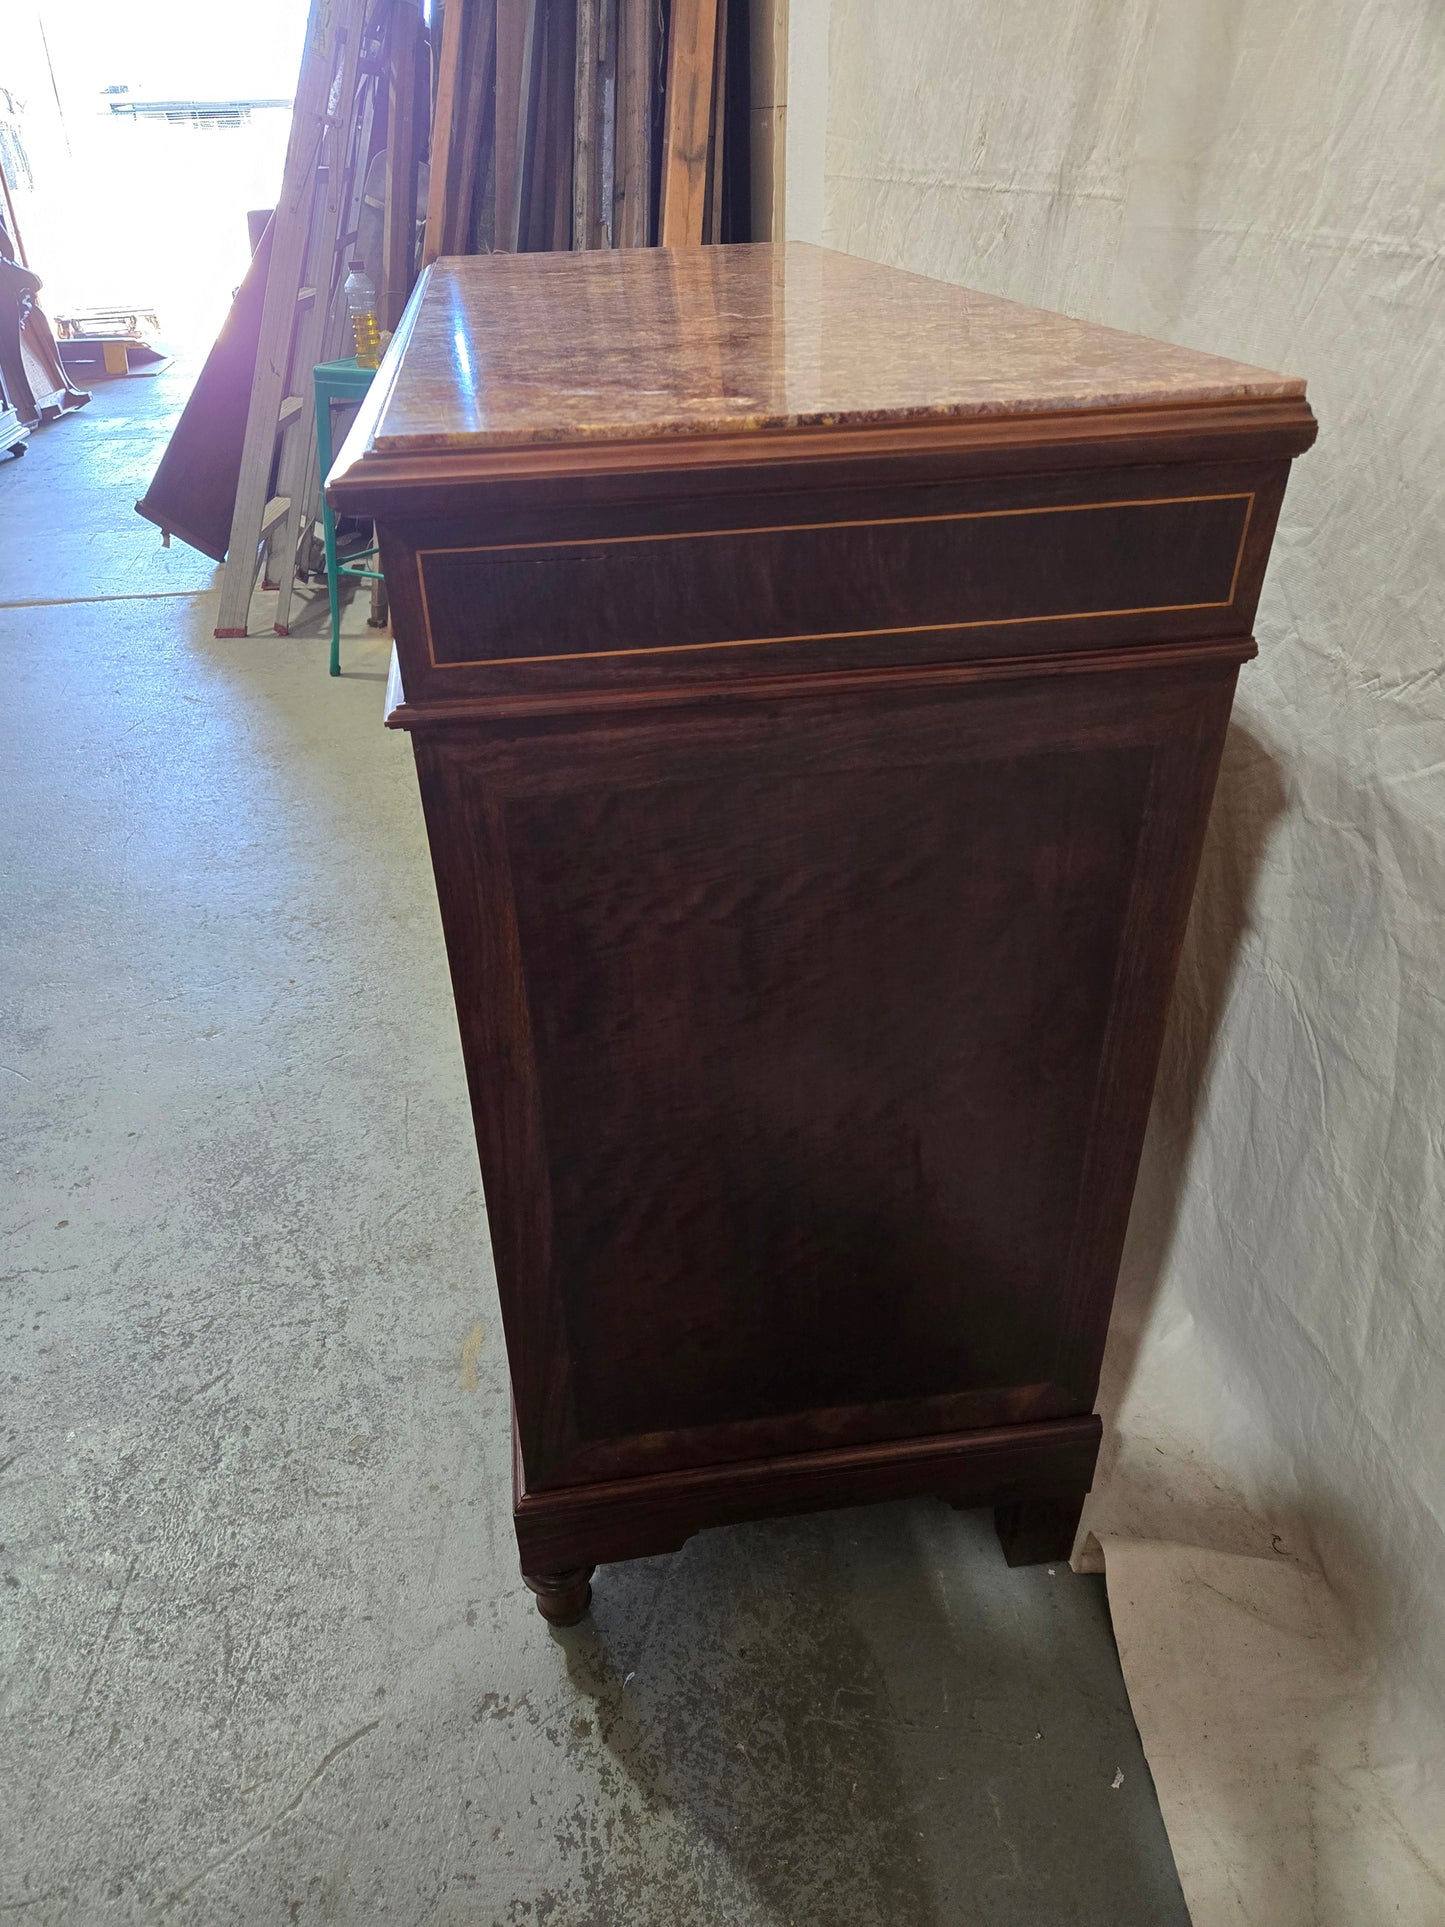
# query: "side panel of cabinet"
[[810, 1043]]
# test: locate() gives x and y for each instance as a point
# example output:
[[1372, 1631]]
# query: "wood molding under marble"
[[1202, 431]]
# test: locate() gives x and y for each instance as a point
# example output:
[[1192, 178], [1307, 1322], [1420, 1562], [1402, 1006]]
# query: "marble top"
[[524, 348]]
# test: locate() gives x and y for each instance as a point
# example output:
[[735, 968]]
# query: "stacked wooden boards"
[[585, 124]]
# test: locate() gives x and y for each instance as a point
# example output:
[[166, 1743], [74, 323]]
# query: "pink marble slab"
[[507, 349]]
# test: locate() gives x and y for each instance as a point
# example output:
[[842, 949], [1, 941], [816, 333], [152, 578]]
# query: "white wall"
[[807, 127], [1263, 178]]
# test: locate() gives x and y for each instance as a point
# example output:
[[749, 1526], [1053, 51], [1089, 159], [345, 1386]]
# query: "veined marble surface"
[[634, 344]]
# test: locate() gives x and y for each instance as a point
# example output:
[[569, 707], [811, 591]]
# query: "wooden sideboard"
[[817, 677]]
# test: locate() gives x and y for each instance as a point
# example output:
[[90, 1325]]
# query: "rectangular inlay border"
[[585, 549]]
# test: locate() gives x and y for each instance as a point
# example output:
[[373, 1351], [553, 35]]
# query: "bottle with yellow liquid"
[[361, 304]]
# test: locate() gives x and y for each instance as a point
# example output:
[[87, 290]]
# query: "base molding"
[[563, 1529]]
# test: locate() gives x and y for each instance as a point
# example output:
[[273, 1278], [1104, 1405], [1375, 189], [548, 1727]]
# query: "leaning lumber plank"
[[712, 218], [398, 234], [634, 123], [607, 191], [298, 288], [585, 158], [555, 225], [471, 141], [517, 49], [691, 48], [296, 460], [454, 20]]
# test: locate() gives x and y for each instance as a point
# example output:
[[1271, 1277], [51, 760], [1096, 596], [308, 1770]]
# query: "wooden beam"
[[531, 129], [518, 44], [584, 153], [712, 217], [398, 231], [607, 189], [687, 107], [561, 86], [533, 226], [443, 115], [476, 119], [634, 124]]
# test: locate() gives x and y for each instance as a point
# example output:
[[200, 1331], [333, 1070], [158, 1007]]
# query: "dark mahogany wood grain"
[[796, 1028]]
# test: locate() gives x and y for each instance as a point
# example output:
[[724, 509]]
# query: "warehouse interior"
[[266, 1653]]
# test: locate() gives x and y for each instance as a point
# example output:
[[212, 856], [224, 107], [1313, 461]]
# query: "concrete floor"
[[267, 1657]]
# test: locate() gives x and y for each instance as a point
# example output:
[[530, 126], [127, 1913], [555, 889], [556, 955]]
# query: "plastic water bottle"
[[361, 304]]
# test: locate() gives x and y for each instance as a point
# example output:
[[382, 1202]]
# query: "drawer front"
[[659, 595]]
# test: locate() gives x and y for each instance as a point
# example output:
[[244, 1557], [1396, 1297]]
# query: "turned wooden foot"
[[562, 1597], [1036, 1532]]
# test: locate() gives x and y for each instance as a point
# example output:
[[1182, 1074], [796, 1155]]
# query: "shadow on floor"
[[870, 1719]]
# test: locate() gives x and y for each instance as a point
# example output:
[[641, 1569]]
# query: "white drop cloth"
[[1265, 179]]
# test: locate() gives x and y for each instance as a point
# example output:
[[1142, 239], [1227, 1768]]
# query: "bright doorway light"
[[140, 140]]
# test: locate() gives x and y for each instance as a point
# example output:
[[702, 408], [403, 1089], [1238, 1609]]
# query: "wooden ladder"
[[299, 319]]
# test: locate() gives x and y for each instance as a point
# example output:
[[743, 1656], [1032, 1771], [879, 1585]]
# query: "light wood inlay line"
[[1243, 538], [878, 522]]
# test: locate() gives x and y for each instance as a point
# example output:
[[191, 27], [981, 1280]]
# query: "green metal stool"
[[338, 381]]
